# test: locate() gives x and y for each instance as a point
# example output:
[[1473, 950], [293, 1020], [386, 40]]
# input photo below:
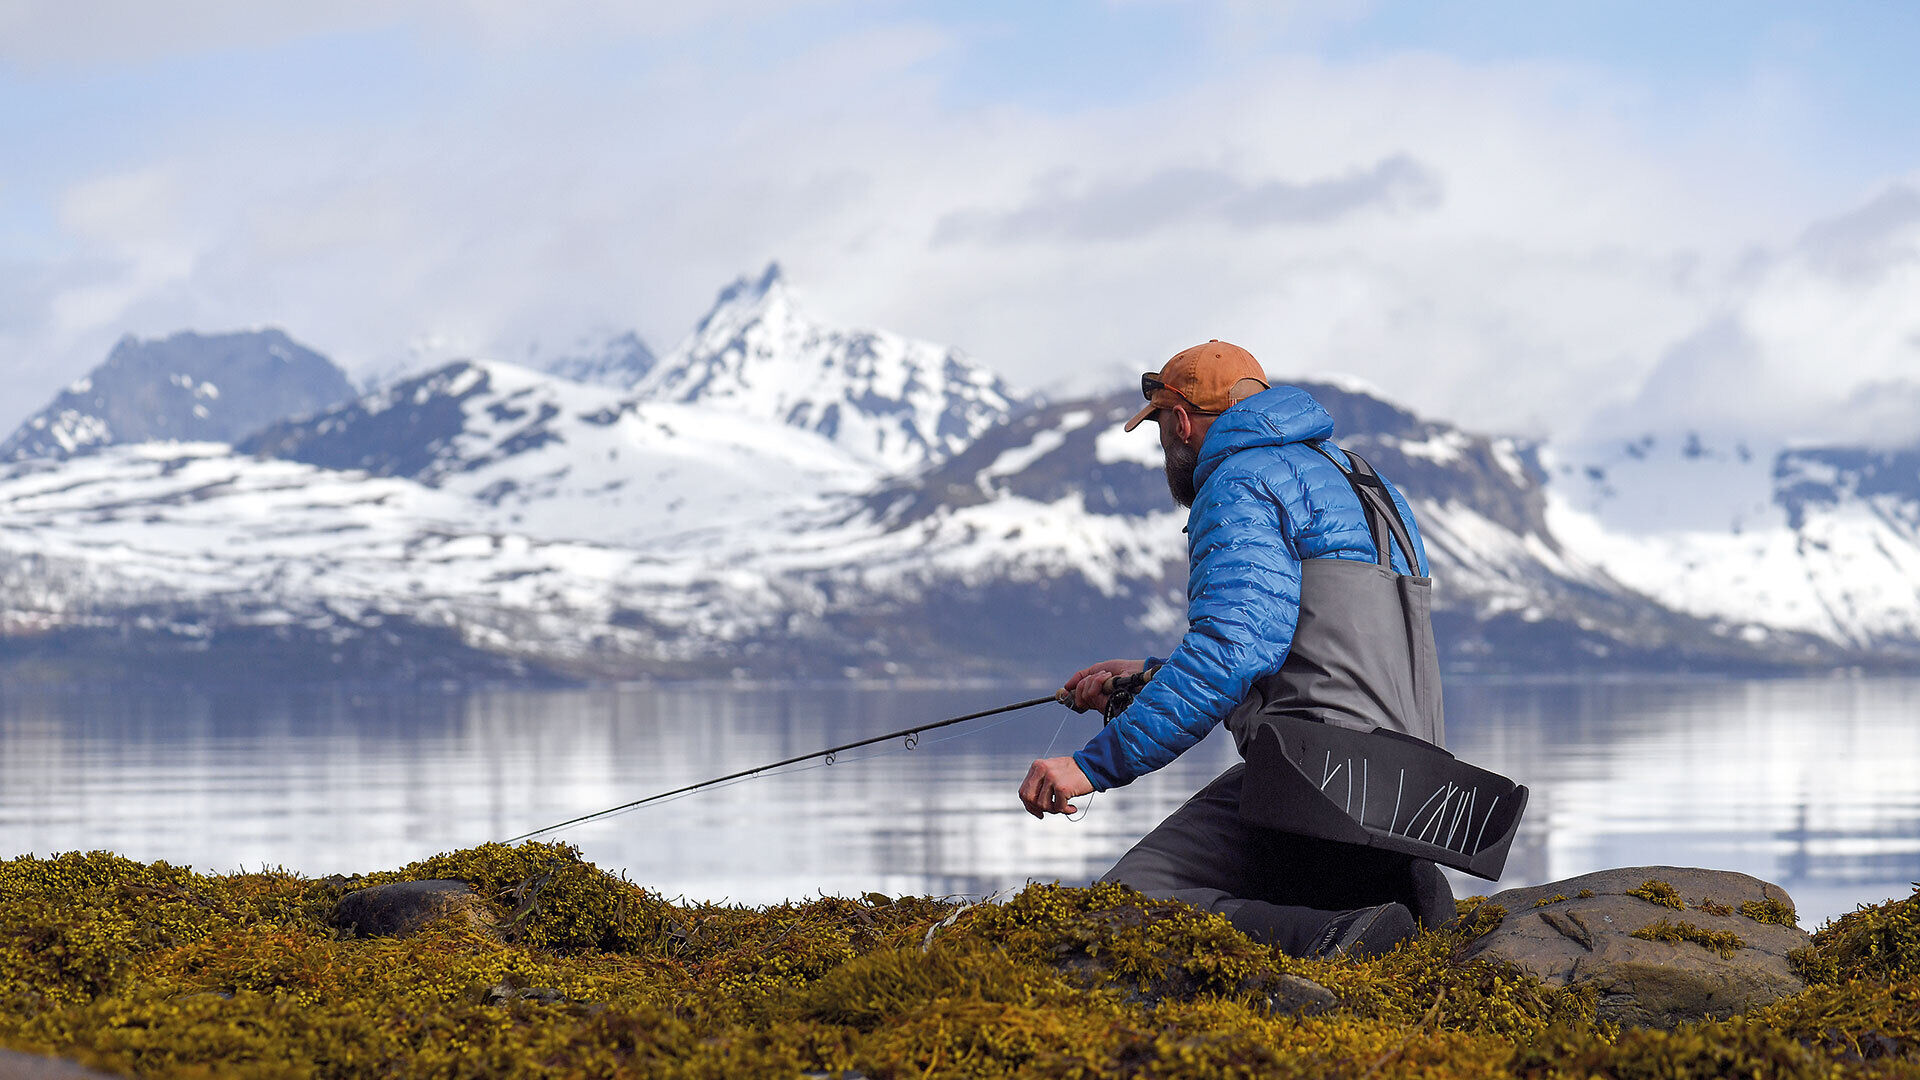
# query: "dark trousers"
[[1274, 886]]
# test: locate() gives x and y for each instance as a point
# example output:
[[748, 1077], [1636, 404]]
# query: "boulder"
[[403, 907], [1709, 942]]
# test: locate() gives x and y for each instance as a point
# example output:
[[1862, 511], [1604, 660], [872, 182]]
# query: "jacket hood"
[[1284, 414]]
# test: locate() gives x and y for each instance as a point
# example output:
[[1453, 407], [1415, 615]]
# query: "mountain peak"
[[746, 292], [891, 401], [187, 387]]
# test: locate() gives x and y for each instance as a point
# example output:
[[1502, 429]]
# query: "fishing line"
[[1056, 735], [911, 735], [1087, 806]]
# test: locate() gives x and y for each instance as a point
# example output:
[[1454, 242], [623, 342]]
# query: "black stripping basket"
[[1380, 789]]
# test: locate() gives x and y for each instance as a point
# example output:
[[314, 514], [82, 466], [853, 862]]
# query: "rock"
[[1296, 995], [18, 1066], [403, 907], [1709, 959], [505, 992]]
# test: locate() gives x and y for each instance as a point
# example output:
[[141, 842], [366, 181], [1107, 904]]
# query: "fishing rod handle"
[[1065, 697], [1116, 687]]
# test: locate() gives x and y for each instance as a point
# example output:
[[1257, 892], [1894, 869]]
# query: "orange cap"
[[1206, 378]]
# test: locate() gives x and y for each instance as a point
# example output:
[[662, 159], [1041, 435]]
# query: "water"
[[1814, 784]]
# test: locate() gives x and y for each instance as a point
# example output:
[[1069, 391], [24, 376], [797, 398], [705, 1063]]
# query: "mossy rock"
[[1660, 944], [543, 894], [405, 907]]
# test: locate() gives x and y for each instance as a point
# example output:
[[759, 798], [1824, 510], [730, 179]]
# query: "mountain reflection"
[[1813, 784]]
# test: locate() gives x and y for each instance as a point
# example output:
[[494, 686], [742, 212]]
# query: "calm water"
[[1813, 784]]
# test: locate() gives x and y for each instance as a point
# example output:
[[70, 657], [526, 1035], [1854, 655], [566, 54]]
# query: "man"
[[1275, 510]]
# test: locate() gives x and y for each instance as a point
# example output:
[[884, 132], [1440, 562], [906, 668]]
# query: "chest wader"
[[1345, 742]]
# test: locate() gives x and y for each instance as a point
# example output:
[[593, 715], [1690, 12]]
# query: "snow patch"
[[73, 430], [1507, 454], [1443, 448], [1115, 445], [1014, 461]]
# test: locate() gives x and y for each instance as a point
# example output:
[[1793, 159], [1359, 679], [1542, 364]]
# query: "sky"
[[1550, 219]]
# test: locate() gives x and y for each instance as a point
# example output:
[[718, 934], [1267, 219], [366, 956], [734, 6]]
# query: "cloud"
[[39, 34], [131, 222], [1820, 341], [1881, 412], [1868, 242], [1185, 196], [1491, 242]]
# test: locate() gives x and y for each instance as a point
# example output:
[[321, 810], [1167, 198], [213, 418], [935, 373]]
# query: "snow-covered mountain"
[[478, 519], [187, 387], [898, 403], [482, 518], [172, 560], [1770, 543], [1055, 532], [558, 460]]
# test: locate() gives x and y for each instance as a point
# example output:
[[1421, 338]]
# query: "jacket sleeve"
[[1243, 599]]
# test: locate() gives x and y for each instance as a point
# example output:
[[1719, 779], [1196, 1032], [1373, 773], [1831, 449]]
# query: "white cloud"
[[1124, 208], [1559, 250], [1820, 341], [1489, 242], [131, 225]]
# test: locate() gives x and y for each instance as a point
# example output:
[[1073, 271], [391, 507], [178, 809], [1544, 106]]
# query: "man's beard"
[[1181, 461]]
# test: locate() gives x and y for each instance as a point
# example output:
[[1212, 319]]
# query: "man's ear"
[[1183, 424]]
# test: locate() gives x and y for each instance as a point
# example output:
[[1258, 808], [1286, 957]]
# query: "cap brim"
[[1141, 415]]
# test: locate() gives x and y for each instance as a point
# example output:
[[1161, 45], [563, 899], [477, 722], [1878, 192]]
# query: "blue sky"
[[1516, 215]]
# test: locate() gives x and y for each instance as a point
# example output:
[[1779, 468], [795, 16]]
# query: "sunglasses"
[[1150, 382]]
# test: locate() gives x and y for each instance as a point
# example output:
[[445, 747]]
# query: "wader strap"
[[1383, 514]]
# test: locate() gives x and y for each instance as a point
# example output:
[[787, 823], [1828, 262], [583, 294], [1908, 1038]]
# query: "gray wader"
[[1362, 657]]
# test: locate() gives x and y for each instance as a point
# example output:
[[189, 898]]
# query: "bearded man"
[[1297, 550]]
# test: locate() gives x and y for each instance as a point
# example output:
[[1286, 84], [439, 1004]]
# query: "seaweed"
[[1770, 911], [1859, 1020], [153, 970], [1659, 892], [1477, 917], [1879, 942], [1701, 1051], [1724, 942]]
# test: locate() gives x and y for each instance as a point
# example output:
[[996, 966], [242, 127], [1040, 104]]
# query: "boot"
[[1367, 931]]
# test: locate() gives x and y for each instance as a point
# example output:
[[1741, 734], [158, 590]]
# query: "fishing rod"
[[910, 734]]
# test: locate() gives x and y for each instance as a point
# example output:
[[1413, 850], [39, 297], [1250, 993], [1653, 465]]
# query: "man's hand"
[[1087, 688], [1050, 783]]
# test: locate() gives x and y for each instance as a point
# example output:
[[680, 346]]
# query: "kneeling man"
[[1273, 504]]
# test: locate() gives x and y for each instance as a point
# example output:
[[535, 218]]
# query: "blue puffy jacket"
[[1266, 501]]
